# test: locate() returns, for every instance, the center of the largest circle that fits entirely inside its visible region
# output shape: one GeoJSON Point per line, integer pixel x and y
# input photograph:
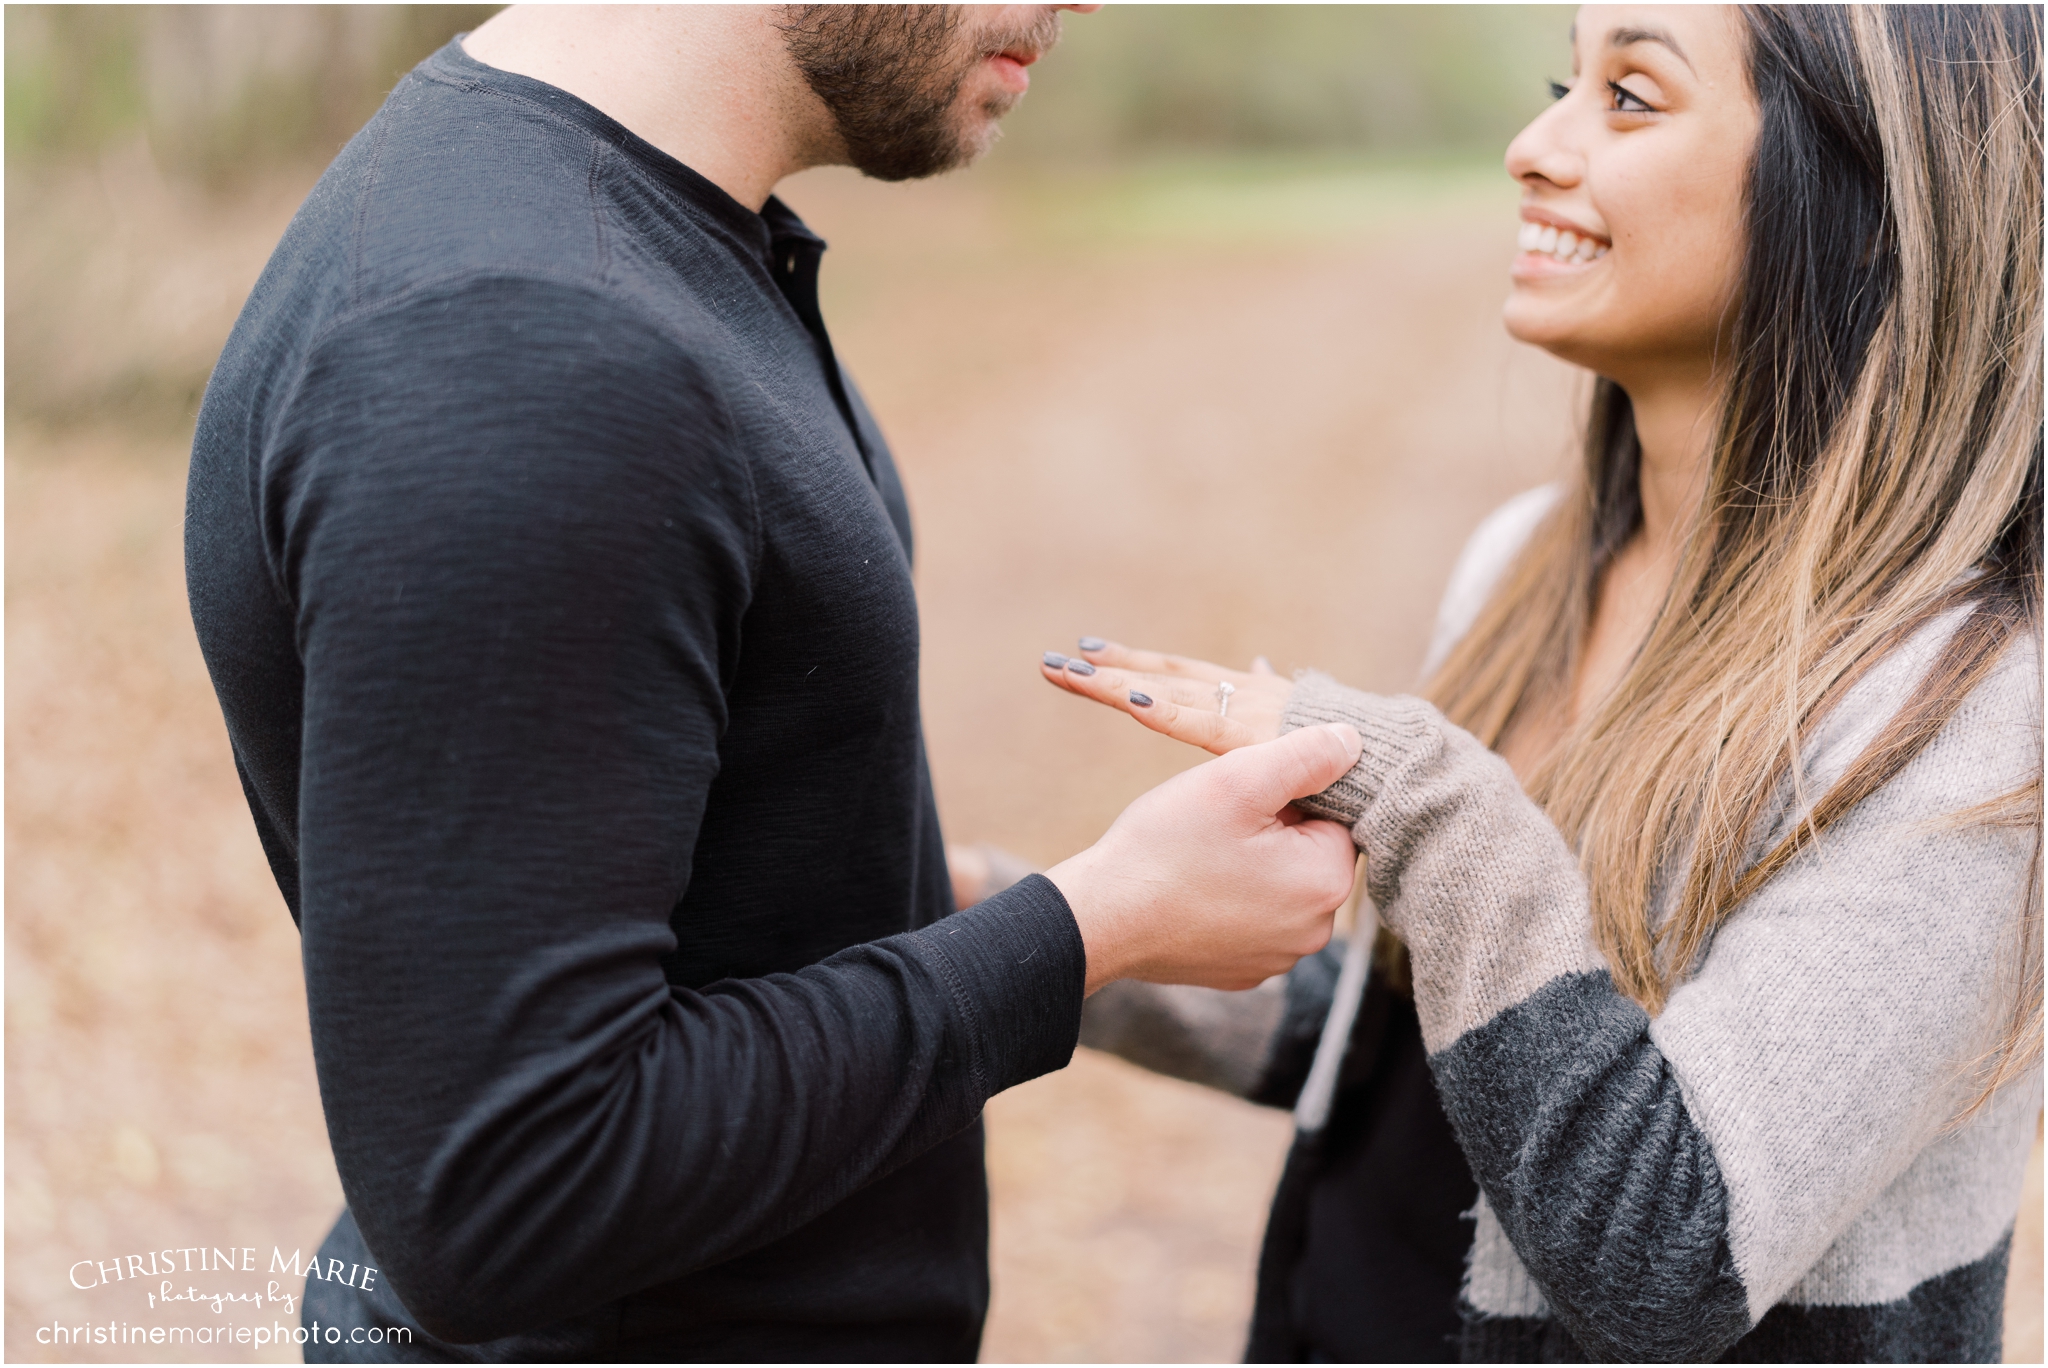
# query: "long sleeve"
{"type": "Point", "coordinates": [520, 543]}
{"type": "Point", "coordinates": [1257, 1044]}
{"type": "Point", "coordinates": [1658, 1186]}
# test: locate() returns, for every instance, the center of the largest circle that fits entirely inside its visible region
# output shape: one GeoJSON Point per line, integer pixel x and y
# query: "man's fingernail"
{"type": "Point", "coordinates": [1054, 660]}
{"type": "Point", "coordinates": [1091, 643]}
{"type": "Point", "coordinates": [1139, 700]}
{"type": "Point", "coordinates": [1080, 667]}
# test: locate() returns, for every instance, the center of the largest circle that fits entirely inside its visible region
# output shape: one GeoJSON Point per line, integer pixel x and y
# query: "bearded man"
{"type": "Point", "coordinates": [555, 581]}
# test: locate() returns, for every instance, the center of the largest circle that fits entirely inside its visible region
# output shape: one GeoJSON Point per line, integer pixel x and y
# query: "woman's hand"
{"type": "Point", "coordinates": [1174, 694]}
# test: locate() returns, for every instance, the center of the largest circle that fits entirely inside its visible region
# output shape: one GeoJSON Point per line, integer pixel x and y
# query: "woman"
{"type": "Point", "coordinates": [1713, 857]}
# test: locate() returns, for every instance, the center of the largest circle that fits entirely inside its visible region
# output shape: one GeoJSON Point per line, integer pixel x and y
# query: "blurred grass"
{"type": "Point", "coordinates": [1250, 199]}
{"type": "Point", "coordinates": [1404, 79]}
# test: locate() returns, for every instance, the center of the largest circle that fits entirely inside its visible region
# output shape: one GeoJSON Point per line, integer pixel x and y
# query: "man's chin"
{"type": "Point", "coordinates": [972, 124]}
{"type": "Point", "coordinates": [979, 127]}
{"type": "Point", "coordinates": [989, 95]}
{"type": "Point", "coordinates": [977, 141]}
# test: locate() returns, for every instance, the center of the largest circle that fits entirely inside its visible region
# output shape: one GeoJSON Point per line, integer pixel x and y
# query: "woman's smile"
{"type": "Point", "coordinates": [1553, 246]}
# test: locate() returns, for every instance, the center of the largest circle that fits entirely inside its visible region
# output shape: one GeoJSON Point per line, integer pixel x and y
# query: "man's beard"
{"type": "Point", "coordinates": [890, 74]}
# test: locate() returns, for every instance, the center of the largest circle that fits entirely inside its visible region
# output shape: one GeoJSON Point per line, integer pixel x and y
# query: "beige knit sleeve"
{"type": "Point", "coordinates": [1462, 865]}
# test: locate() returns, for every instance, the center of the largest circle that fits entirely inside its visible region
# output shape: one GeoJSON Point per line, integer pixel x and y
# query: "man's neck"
{"type": "Point", "coordinates": [711, 85]}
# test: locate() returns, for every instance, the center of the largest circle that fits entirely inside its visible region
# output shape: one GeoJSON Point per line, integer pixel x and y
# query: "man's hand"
{"type": "Point", "coordinates": [1211, 878]}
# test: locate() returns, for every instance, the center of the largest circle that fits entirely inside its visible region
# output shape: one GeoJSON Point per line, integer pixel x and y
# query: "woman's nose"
{"type": "Point", "coordinates": [1544, 150]}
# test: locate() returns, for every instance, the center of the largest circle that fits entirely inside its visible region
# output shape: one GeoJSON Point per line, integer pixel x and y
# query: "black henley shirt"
{"type": "Point", "coordinates": [556, 586]}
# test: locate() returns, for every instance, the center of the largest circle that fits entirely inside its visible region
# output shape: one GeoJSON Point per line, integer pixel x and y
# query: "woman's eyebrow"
{"type": "Point", "coordinates": [1627, 37]}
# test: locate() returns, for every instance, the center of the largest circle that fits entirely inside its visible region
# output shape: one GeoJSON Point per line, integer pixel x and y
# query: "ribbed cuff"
{"type": "Point", "coordinates": [1019, 973]}
{"type": "Point", "coordinates": [1394, 731]}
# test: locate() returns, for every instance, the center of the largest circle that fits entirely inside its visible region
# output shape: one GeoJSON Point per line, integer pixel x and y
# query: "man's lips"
{"type": "Point", "coordinates": [1009, 67]}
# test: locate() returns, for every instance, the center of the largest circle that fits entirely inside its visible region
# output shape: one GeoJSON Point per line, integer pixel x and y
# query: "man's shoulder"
{"type": "Point", "coordinates": [460, 177]}
{"type": "Point", "coordinates": [457, 194]}
{"type": "Point", "coordinates": [445, 182]}
{"type": "Point", "coordinates": [454, 177]}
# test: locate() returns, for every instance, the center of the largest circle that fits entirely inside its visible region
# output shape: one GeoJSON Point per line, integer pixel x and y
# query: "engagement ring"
{"type": "Point", "coordinates": [1223, 693]}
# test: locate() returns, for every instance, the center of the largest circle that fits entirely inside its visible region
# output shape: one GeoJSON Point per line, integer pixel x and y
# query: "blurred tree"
{"type": "Point", "coordinates": [216, 90]}
{"type": "Point", "coordinates": [125, 123]}
{"type": "Point", "coordinates": [1407, 79]}
{"type": "Point", "coordinates": [220, 89]}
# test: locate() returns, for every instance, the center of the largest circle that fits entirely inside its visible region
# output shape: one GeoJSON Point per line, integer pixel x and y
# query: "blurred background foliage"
{"type": "Point", "coordinates": [150, 147]}
{"type": "Point", "coordinates": [1406, 80]}
{"type": "Point", "coordinates": [223, 90]}
{"type": "Point", "coordinates": [215, 91]}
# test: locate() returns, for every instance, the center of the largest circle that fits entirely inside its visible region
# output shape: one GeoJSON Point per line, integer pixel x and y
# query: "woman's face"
{"type": "Point", "coordinates": [1632, 193]}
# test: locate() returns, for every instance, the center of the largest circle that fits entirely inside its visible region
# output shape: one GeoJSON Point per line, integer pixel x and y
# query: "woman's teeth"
{"type": "Point", "coordinates": [1563, 244]}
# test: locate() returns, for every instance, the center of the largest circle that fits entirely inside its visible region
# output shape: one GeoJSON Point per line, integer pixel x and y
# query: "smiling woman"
{"type": "Point", "coordinates": [1713, 859]}
{"type": "Point", "coordinates": [1647, 150]}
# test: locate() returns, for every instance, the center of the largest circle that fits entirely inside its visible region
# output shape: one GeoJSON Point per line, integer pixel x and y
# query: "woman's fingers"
{"type": "Point", "coordinates": [1183, 708]}
{"type": "Point", "coordinates": [1054, 667]}
{"type": "Point", "coordinates": [1193, 724]}
{"type": "Point", "coordinates": [1113, 685]}
{"type": "Point", "coordinates": [1097, 651]}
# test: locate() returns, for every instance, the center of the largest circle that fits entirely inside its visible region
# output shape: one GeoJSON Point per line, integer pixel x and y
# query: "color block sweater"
{"type": "Point", "coordinates": [1768, 1170]}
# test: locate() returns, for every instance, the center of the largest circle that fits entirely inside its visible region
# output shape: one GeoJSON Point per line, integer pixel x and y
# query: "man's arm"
{"type": "Point", "coordinates": [1257, 1043]}
{"type": "Point", "coordinates": [519, 545]}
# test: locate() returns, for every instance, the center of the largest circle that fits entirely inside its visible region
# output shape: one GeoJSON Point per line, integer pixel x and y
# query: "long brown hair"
{"type": "Point", "coordinates": [1877, 462]}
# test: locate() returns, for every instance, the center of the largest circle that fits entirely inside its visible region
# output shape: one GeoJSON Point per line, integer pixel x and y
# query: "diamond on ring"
{"type": "Point", "coordinates": [1223, 693]}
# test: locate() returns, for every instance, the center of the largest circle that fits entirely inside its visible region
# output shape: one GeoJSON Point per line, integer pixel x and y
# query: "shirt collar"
{"type": "Point", "coordinates": [774, 227]}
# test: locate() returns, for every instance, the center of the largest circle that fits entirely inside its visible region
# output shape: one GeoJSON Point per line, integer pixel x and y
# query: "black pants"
{"type": "Point", "coordinates": [1365, 1249]}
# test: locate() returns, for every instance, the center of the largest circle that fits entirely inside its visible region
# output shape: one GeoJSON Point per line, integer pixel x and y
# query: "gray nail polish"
{"type": "Point", "coordinates": [1080, 667]}
{"type": "Point", "coordinates": [1054, 660]}
{"type": "Point", "coordinates": [1139, 700]}
{"type": "Point", "coordinates": [1091, 643]}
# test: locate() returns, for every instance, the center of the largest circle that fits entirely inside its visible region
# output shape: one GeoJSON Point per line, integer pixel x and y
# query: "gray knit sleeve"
{"type": "Point", "coordinates": [1392, 732]}
{"type": "Point", "coordinates": [1255, 1044]}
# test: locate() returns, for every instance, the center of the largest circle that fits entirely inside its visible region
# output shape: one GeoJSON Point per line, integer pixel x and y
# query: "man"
{"type": "Point", "coordinates": [555, 582]}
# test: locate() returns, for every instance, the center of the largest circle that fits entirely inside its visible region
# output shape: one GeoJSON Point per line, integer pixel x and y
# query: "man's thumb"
{"type": "Point", "coordinates": [1305, 761]}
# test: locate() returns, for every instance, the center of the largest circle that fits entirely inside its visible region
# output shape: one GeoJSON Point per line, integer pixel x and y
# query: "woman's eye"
{"type": "Point", "coordinates": [1558, 89]}
{"type": "Point", "coordinates": [1626, 101]}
